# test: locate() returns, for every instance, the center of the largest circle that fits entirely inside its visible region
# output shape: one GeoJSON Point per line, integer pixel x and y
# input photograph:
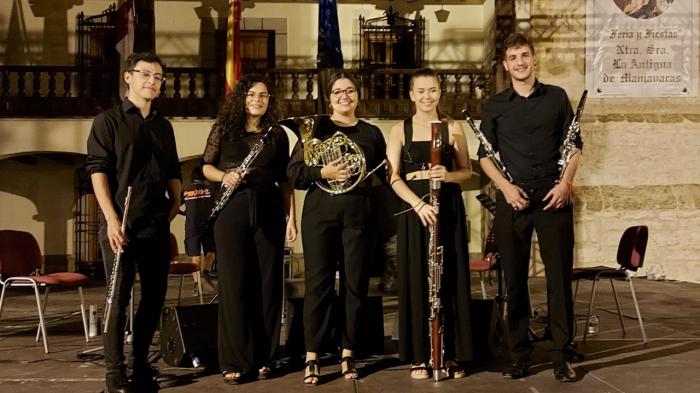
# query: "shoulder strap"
{"type": "Point", "coordinates": [407, 135]}
{"type": "Point", "coordinates": [444, 133]}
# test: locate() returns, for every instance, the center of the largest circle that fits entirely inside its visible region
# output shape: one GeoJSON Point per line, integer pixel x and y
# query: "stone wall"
{"type": "Point", "coordinates": [640, 162]}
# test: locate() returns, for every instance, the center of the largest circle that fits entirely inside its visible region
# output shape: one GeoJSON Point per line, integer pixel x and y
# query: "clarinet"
{"type": "Point", "coordinates": [568, 146]}
{"type": "Point", "coordinates": [435, 262]}
{"type": "Point", "coordinates": [113, 278]}
{"type": "Point", "coordinates": [490, 153]}
{"type": "Point", "coordinates": [241, 169]}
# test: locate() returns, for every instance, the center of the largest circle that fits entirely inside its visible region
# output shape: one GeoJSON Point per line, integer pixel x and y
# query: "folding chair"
{"type": "Point", "coordinates": [20, 264]}
{"type": "Point", "coordinates": [630, 256]}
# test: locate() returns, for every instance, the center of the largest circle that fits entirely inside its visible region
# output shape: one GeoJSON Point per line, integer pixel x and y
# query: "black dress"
{"type": "Point", "coordinates": [249, 236]}
{"type": "Point", "coordinates": [336, 237]}
{"type": "Point", "coordinates": [412, 256]}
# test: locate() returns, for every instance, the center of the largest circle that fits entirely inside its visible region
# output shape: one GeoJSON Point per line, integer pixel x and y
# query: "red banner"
{"type": "Point", "coordinates": [234, 69]}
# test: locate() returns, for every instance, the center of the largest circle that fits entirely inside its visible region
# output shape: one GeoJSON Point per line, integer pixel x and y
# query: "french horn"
{"type": "Point", "coordinates": [319, 153]}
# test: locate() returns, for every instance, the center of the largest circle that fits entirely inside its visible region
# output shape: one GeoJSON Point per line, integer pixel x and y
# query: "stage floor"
{"type": "Point", "coordinates": [614, 363]}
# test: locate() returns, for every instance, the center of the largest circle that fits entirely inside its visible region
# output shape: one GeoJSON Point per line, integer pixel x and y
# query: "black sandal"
{"type": "Point", "coordinates": [314, 371]}
{"type": "Point", "coordinates": [232, 380]}
{"type": "Point", "coordinates": [350, 373]}
{"type": "Point", "coordinates": [264, 372]}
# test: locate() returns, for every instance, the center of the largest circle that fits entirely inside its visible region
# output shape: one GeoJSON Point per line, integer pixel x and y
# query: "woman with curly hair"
{"type": "Point", "coordinates": [250, 231]}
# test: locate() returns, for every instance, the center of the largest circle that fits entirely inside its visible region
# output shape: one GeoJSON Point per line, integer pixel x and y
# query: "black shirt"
{"type": "Point", "coordinates": [269, 166]}
{"type": "Point", "coordinates": [137, 152]}
{"type": "Point", "coordinates": [528, 131]}
{"type": "Point", "coordinates": [367, 136]}
{"type": "Point", "coordinates": [199, 200]}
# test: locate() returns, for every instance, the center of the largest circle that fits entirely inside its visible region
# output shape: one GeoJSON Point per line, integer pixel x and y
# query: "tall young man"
{"type": "Point", "coordinates": [132, 145]}
{"type": "Point", "coordinates": [527, 124]}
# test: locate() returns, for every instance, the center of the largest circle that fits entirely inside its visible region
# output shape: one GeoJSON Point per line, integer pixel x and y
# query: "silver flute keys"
{"type": "Point", "coordinates": [113, 278]}
{"type": "Point", "coordinates": [569, 147]}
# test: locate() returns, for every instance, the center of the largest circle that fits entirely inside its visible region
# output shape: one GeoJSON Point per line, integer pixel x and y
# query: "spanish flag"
{"type": "Point", "coordinates": [234, 69]}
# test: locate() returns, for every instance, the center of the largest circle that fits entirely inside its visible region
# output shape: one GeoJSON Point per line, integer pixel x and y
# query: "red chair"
{"type": "Point", "coordinates": [630, 257]}
{"type": "Point", "coordinates": [183, 269]}
{"type": "Point", "coordinates": [489, 263]}
{"type": "Point", "coordinates": [20, 261]}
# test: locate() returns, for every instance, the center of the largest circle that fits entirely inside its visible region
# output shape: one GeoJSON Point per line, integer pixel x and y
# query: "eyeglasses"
{"type": "Point", "coordinates": [339, 93]}
{"type": "Point", "coordinates": [148, 74]}
{"type": "Point", "coordinates": [252, 95]}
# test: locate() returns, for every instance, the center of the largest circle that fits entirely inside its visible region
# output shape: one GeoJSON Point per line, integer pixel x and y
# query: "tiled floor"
{"type": "Point", "coordinates": [669, 362]}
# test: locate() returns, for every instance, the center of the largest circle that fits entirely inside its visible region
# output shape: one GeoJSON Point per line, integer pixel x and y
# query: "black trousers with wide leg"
{"type": "Point", "coordinates": [336, 238]}
{"type": "Point", "coordinates": [555, 234]}
{"type": "Point", "coordinates": [249, 236]}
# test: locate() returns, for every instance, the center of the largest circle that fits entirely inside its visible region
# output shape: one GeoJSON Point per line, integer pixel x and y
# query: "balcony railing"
{"type": "Point", "coordinates": [75, 91]}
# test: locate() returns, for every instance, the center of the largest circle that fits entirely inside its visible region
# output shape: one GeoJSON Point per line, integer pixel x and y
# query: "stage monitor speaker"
{"type": "Point", "coordinates": [188, 335]}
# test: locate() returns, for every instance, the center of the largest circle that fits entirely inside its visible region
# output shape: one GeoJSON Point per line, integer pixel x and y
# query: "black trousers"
{"type": "Point", "coordinates": [335, 238]}
{"type": "Point", "coordinates": [150, 257]}
{"type": "Point", "coordinates": [555, 235]}
{"type": "Point", "coordinates": [249, 236]}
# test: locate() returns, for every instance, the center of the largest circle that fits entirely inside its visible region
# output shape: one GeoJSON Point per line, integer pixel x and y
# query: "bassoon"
{"type": "Point", "coordinates": [435, 261]}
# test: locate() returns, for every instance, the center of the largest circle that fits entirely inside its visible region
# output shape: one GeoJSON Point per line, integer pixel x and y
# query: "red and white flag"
{"type": "Point", "coordinates": [126, 14]}
{"type": "Point", "coordinates": [234, 69]}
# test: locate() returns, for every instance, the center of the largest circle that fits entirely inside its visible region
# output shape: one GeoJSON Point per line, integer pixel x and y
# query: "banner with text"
{"type": "Point", "coordinates": [642, 48]}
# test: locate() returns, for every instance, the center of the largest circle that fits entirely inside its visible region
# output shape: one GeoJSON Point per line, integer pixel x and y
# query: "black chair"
{"type": "Point", "coordinates": [630, 257]}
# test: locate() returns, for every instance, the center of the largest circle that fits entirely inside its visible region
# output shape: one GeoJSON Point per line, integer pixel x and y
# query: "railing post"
{"type": "Point", "coordinates": [5, 83]}
{"type": "Point", "coordinates": [176, 84]}
{"type": "Point", "coordinates": [192, 84]}
{"type": "Point", "coordinates": [443, 84]}
{"type": "Point", "coordinates": [20, 83]}
{"type": "Point", "coordinates": [66, 84]}
{"type": "Point", "coordinates": [295, 86]}
{"type": "Point", "coordinates": [52, 84]}
{"type": "Point", "coordinates": [310, 86]}
{"type": "Point", "coordinates": [458, 83]}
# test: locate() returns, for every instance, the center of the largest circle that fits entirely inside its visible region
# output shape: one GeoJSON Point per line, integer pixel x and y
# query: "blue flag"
{"type": "Point", "coordinates": [329, 53]}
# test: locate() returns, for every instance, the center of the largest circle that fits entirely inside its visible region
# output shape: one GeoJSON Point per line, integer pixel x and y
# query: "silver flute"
{"type": "Point", "coordinates": [490, 153]}
{"type": "Point", "coordinates": [241, 169]}
{"type": "Point", "coordinates": [115, 266]}
{"type": "Point", "coordinates": [569, 147]}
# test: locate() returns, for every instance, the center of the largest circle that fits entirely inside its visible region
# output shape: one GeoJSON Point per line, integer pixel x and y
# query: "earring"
{"type": "Point", "coordinates": [330, 106]}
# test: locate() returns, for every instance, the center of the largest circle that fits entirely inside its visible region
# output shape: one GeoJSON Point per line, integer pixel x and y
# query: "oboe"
{"type": "Point", "coordinates": [113, 278]}
{"type": "Point", "coordinates": [435, 261]}
{"type": "Point", "coordinates": [490, 153]}
{"type": "Point", "coordinates": [569, 145]}
{"type": "Point", "coordinates": [241, 169]}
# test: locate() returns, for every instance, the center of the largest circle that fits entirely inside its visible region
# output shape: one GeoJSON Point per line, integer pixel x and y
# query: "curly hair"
{"type": "Point", "coordinates": [232, 114]}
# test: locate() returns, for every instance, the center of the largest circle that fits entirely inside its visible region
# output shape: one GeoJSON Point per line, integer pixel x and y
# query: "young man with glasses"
{"type": "Point", "coordinates": [131, 145]}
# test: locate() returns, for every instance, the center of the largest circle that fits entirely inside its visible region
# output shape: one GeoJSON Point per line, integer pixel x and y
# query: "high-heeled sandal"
{"type": "Point", "coordinates": [312, 373]}
{"type": "Point", "coordinates": [350, 373]}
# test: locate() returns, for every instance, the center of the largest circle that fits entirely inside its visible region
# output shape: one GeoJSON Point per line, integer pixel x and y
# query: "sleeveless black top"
{"type": "Point", "coordinates": [416, 154]}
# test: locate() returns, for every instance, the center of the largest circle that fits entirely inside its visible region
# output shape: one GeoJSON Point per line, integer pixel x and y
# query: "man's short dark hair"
{"type": "Point", "coordinates": [134, 58]}
{"type": "Point", "coordinates": [515, 40]}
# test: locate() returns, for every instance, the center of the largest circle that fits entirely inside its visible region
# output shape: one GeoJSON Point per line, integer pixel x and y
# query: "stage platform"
{"type": "Point", "coordinates": [614, 363]}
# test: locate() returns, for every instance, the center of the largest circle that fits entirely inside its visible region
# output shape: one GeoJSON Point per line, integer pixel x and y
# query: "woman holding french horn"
{"type": "Point", "coordinates": [335, 218]}
{"type": "Point", "coordinates": [409, 157]}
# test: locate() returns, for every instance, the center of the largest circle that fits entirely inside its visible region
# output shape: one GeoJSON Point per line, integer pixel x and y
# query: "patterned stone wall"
{"type": "Point", "coordinates": [641, 157]}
